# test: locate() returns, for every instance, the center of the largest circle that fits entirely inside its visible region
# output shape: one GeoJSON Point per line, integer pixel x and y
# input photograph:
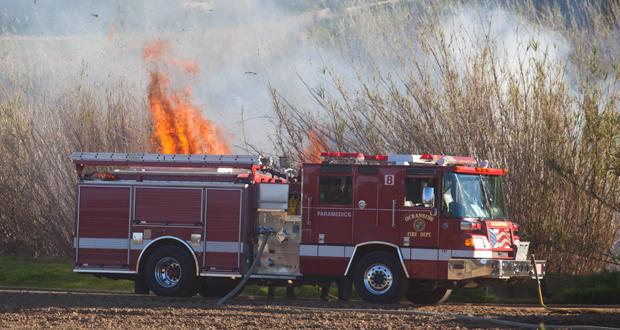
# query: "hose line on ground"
{"type": "Point", "coordinates": [264, 233]}
{"type": "Point", "coordinates": [559, 310]}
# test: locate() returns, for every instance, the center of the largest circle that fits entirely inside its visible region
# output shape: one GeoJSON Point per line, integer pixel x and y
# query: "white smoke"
{"type": "Point", "coordinates": [516, 39]}
{"type": "Point", "coordinates": [241, 48]}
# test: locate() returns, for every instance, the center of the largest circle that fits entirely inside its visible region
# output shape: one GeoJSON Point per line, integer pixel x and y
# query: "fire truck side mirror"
{"type": "Point", "coordinates": [428, 196]}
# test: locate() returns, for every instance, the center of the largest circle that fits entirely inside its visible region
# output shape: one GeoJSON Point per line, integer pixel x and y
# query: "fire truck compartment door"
{"type": "Point", "coordinates": [389, 190]}
{"type": "Point", "coordinates": [419, 231]}
{"type": "Point", "coordinates": [419, 221]}
{"type": "Point", "coordinates": [103, 226]}
{"type": "Point", "coordinates": [168, 206]}
{"type": "Point", "coordinates": [223, 246]}
{"type": "Point", "coordinates": [272, 196]}
{"type": "Point", "coordinates": [366, 214]}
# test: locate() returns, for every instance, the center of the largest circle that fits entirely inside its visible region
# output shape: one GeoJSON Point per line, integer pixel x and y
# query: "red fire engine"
{"type": "Point", "coordinates": [413, 225]}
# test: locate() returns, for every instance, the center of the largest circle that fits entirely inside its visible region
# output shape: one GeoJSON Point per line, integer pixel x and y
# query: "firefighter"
{"type": "Point", "coordinates": [271, 292]}
{"type": "Point", "coordinates": [290, 292]}
{"type": "Point", "coordinates": [293, 204]}
{"type": "Point", "coordinates": [343, 284]}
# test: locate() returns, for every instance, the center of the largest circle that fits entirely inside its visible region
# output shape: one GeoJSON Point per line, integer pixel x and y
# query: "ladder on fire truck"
{"type": "Point", "coordinates": [81, 159]}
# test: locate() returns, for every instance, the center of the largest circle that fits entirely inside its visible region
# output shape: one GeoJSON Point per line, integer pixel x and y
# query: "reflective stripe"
{"type": "Point", "coordinates": [225, 247]}
{"type": "Point", "coordinates": [348, 251]}
{"type": "Point", "coordinates": [140, 246]}
{"type": "Point", "coordinates": [305, 250]}
{"type": "Point", "coordinates": [406, 253]}
{"type": "Point", "coordinates": [308, 250]}
{"type": "Point", "coordinates": [124, 244]}
{"type": "Point", "coordinates": [331, 251]}
{"type": "Point", "coordinates": [424, 254]}
{"type": "Point", "coordinates": [104, 243]}
{"type": "Point", "coordinates": [444, 255]}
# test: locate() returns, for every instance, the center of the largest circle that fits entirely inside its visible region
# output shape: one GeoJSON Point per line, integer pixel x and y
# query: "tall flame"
{"type": "Point", "coordinates": [316, 145]}
{"type": "Point", "coordinates": [179, 127]}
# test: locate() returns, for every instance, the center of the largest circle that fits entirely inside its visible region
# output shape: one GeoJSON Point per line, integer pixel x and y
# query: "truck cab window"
{"type": "Point", "coordinates": [413, 191]}
{"type": "Point", "coordinates": [335, 190]}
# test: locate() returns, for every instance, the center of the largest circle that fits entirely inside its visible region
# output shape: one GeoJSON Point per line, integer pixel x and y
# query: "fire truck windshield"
{"type": "Point", "coordinates": [472, 196]}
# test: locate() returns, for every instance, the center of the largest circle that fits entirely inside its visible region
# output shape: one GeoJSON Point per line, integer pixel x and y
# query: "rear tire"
{"type": "Point", "coordinates": [379, 278]}
{"type": "Point", "coordinates": [428, 296]}
{"type": "Point", "coordinates": [170, 272]}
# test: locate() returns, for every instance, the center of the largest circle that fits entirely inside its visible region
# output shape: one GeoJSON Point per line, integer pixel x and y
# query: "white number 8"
{"type": "Point", "coordinates": [389, 180]}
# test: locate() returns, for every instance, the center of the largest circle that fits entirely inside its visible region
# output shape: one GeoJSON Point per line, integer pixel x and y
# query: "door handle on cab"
{"type": "Point", "coordinates": [393, 213]}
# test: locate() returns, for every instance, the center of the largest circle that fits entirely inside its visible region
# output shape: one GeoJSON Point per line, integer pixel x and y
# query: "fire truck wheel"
{"type": "Point", "coordinates": [428, 297]}
{"type": "Point", "coordinates": [169, 272]}
{"type": "Point", "coordinates": [379, 278]}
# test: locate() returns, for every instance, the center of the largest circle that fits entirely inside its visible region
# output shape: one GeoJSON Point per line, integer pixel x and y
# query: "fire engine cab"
{"type": "Point", "coordinates": [390, 225]}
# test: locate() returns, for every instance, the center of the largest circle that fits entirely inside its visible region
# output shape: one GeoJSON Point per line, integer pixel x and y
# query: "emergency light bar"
{"type": "Point", "coordinates": [442, 160]}
{"type": "Point", "coordinates": [354, 155]}
{"type": "Point", "coordinates": [408, 159]}
{"type": "Point", "coordinates": [351, 157]}
{"type": "Point", "coordinates": [481, 170]}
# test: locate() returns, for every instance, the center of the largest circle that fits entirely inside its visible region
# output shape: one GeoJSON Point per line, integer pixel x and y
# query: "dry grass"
{"type": "Point", "coordinates": [37, 181]}
{"type": "Point", "coordinates": [552, 120]}
{"type": "Point", "coordinates": [399, 77]}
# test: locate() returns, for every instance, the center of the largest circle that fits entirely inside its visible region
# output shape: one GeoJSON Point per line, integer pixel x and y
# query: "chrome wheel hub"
{"type": "Point", "coordinates": [378, 279]}
{"type": "Point", "coordinates": [168, 272]}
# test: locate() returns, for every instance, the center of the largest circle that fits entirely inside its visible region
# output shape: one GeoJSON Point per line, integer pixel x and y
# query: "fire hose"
{"type": "Point", "coordinates": [264, 233]}
{"type": "Point", "coordinates": [559, 310]}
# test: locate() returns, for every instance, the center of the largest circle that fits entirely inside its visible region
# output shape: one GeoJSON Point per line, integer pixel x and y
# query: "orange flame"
{"type": "Point", "coordinates": [316, 145]}
{"type": "Point", "coordinates": [178, 126]}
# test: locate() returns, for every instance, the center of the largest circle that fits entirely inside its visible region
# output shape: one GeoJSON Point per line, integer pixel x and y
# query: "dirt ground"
{"type": "Point", "coordinates": [44, 309]}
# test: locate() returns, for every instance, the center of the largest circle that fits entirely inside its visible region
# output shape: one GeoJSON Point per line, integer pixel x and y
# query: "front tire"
{"type": "Point", "coordinates": [379, 278]}
{"type": "Point", "coordinates": [170, 272]}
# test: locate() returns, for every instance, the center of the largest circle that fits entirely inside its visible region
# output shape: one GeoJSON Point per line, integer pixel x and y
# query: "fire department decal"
{"type": "Point", "coordinates": [389, 180]}
{"type": "Point", "coordinates": [337, 214]}
{"type": "Point", "coordinates": [419, 224]}
{"type": "Point", "coordinates": [423, 216]}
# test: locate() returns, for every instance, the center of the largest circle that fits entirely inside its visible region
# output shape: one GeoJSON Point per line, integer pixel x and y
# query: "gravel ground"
{"type": "Point", "coordinates": [41, 309]}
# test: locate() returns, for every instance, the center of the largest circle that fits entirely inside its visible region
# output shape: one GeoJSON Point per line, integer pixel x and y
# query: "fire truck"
{"type": "Point", "coordinates": [398, 225]}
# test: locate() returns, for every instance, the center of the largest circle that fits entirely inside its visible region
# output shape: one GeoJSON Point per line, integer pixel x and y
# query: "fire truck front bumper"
{"type": "Point", "coordinates": [463, 269]}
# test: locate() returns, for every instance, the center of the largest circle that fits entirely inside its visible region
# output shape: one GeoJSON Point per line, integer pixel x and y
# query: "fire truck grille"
{"type": "Point", "coordinates": [500, 238]}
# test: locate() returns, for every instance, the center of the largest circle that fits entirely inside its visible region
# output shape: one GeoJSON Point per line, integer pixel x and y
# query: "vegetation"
{"type": "Point", "coordinates": [597, 288]}
{"type": "Point", "coordinates": [52, 274]}
{"type": "Point", "coordinates": [533, 88]}
{"type": "Point", "coordinates": [600, 288]}
{"type": "Point", "coordinates": [529, 85]}
{"type": "Point", "coordinates": [37, 179]}
{"type": "Point", "coordinates": [24, 272]}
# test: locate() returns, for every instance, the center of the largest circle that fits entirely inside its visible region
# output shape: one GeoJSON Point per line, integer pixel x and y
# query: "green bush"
{"type": "Point", "coordinates": [601, 288]}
